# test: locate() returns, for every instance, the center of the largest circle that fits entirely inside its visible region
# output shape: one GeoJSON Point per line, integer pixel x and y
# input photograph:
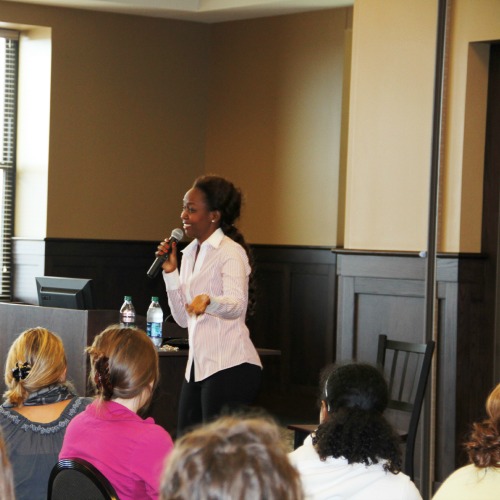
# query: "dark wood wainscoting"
{"type": "Point", "coordinates": [295, 309]}
{"type": "Point", "coordinates": [384, 293]}
{"type": "Point", "coordinates": [117, 268]}
{"type": "Point", "coordinates": [317, 306]}
{"type": "Point", "coordinates": [295, 313]}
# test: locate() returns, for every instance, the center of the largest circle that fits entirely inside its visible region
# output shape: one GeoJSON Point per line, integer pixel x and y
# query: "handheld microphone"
{"type": "Point", "coordinates": [176, 236]}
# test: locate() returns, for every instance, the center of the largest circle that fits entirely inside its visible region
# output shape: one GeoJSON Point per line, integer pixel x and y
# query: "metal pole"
{"type": "Point", "coordinates": [430, 277]}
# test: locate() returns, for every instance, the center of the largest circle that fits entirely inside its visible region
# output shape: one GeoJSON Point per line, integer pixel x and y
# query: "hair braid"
{"type": "Point", "coordinates": [223, 196]}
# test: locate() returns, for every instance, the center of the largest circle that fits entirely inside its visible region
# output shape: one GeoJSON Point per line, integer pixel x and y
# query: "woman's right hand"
{"type": "Point", "coordinates": [164, 247]}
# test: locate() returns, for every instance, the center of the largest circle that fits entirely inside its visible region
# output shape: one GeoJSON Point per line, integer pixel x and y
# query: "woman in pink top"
{"type": "Point", "coordinates": [210, 296]}
{"type": "Point", "coordinates": [110, 434]}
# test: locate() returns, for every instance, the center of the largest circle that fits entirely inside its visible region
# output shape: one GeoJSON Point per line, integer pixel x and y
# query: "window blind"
{"type": "Point", "coordinates": [9, 48]}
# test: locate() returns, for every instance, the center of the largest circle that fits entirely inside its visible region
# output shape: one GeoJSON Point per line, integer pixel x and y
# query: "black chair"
{"type": "Point", "coordinates": [407, 366]}
{"type": "Point", "coordinates": [77, 479]}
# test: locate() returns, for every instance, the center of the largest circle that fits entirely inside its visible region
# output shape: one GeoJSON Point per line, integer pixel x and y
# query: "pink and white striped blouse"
{"type": "Point", "coordinates": [219, 338]}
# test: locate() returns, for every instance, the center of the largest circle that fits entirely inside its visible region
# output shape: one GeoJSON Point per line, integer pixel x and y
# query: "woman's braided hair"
{"type": "Point", "coordinates": [223, 196]}
{"type": "Point", "coordinates": [123, 362]}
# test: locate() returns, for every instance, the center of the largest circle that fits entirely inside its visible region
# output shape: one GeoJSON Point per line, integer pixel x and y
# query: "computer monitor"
{"type": "Point", "coordinates": [67, 293]}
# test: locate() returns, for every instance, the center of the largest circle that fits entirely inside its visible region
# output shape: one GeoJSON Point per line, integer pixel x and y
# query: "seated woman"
{"type": "Point", "coordinates": [38, 407]}
{"type": "Point", "coordinates": [354, 453]}
{"type": "Point", "coordinates": [231, 458]}
{"type": "Point", "coordinates": [109, 434]}
{"type": "Point", "coordinates": [481, 478]}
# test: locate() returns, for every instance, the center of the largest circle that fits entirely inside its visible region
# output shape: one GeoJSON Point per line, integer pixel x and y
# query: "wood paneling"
{"type": "Point", "coordinates": [317, 306]}
{"type": "Point", "coordinates": [385, 294]}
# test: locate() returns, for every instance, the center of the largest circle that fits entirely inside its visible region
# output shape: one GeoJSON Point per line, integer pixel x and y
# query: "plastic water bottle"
{"type": "Point", "coordinates": [154, 318]}
{"type": "Point", "coordinates": [127, 313]}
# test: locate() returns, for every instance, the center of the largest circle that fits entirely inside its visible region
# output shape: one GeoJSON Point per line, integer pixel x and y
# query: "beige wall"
{"type": "Point", "coordinates": [128, 121]}
{"type": "Point", "coordinates": [141, 106]}
{"type": "Point", "coordinates": [473, 22]}
{"type": "Point", "coordinates": [274, 119]}
{"type": "Point", "coordinates": [390, 124]}
{"type": "Point", "coordinates": [127, 118]}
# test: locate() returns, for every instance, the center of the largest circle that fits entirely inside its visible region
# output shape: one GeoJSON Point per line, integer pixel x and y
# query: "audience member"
{"type": "Point", "coordinates": [231, 459]}
{"type": "Point", "coordinates": [39, 404]}
{"type": "Point", "coordinates": [110, 434]}
{"type": "Point", "coordinates": [354, 454]}
{"type": "Point", "coordinates": [6, 477]}
{"type": "Point", "coordinates": [481, 478]}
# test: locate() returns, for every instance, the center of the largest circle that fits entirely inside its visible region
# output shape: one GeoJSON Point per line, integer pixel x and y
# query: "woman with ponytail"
{"type": "Point", "coordinates": [211, 295]}
{"type": "Point", "coordinates": [39, 404]}
{"type": "Point", "coordinates": [126, 449]}
{"type": "Point", "coordinates": [354, 453]}
{"type": "Point", "coordinates": [481, 478]}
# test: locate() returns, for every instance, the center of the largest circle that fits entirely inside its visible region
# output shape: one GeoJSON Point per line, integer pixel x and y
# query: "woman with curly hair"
{"type": "Point", "coordinates": [210, 295]}
{"type": "Point", "coordinates": [481, 478]}
{"type": "Point", "coordinates": [126, 449]}
{"type": "Point", "coordinates": [39, 404]}
{"type": "Point", "coordinates": [354, 454]}
{"type": "Point", "coordinates": [231, 458]}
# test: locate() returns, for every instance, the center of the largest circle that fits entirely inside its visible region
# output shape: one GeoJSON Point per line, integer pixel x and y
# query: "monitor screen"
{"type": "Point", "coordinates": [67, 293]}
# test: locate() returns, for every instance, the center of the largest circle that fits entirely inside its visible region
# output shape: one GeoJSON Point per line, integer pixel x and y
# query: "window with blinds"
{"type": "Point", "coordinates": [9, 46]}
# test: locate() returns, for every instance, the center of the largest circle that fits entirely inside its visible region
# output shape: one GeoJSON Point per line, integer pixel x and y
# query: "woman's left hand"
{"type": "Point", "coordinates": [198, 305]}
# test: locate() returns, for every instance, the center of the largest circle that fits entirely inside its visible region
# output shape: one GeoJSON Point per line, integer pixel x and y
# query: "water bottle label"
{"type": "Point", "coordinates": [127, 320]}
{"type": "Point", "coordinates": [154, 329]}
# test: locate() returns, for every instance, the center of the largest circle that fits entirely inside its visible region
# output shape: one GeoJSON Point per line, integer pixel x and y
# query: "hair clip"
{"type": "Point", "coordinates": [21, 372]}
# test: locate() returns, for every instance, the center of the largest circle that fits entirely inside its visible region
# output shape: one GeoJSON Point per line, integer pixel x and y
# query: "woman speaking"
{"type": "Point", "coordinates": [210, 296]}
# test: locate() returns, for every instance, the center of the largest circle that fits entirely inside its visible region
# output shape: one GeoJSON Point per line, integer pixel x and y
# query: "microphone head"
{"type": "Point", "coordinates": [177, 235]}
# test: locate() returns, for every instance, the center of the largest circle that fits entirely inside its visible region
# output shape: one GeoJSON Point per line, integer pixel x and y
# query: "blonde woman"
{"type": "Point", "coordinates": [110, 434]}
{"type": "Point", "coordinates": [38, 406]}
{"type": "Point", "coordinates": [481, 478]}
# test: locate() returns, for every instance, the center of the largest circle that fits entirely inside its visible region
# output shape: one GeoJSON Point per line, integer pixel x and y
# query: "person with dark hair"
{"type": "Point", "coordinates": [231, 458]}
{"type": "Point", "coordinates": [39, 404]}
{"type": "Point", "coordinates": [481, 478]}
{"type": "Point", "coordinates": [126, 449]}
{"type": "Point", "coordinates": [210, 295]}
{"type": "Point", "coordinates": [354, 453]}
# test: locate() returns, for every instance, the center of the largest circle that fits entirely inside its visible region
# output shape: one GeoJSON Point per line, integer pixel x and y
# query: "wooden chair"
{"type": "Point", "coordinates": [407, 366]}
{"type": "Point", "coordinates": [77, 479]}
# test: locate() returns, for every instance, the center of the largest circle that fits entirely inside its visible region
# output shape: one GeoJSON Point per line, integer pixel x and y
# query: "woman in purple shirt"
{"type": "Point", "coordinates": [128, 450]}
{"type": "Point", "coordinates": [210, 296]}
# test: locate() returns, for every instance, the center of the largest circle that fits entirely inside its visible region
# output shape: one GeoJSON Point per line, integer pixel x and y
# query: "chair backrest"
{"type": "Point", "coordinates": [77, 479]}
{"type": "Point", "coordinates": [407, 366]}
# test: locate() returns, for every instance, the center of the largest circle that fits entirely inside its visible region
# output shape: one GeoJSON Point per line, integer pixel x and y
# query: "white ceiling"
{"type": "Point", "coordinates": [207, 11]}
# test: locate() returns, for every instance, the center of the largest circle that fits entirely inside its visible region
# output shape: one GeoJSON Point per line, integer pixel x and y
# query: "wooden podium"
{"type": "Point", "coordinates": [77, 330]}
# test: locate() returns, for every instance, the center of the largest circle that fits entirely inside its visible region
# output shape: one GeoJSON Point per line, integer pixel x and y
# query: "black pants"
{"type": "Point", "coordinates": [224, 391]}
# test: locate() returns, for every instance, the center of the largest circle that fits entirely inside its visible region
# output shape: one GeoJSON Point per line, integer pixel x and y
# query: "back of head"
{"type": "Point", "coordinates": [355, 396]}
{"type": "Point", "coordinates": [231, 459]}
{"type": "Point", "coordinates": [36, 360]}
{"type": "Point", "coordinates": [124, 362]}
{"type": "Point", "coordinates": [354, 386]}
{"type": "Point", "coordinates": [483, 447]}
